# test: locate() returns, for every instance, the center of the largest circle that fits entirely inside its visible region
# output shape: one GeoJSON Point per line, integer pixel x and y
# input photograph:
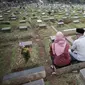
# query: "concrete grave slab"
{"type": "Point", "coordinates": [22, 21]}
{"type": "Point", "coordinates": [52, 19]}
{"type": "Point", "coordinates": [60, 24]}
{"type": "Point", "coordinates": [6, 29]}
{"type": "Point", "coordinates": [24, 76]}
{"type": "Point", "coordinates": [39, 21]}
{"type": "Point", "coordinates": [42, 26]}
{"type": "Point", "coordinates": [27, 43]}
{"type": "Point", "coordinates": [43, 13]}
{"type": "Point", "coordinates": [6, 13]}
{"type": "Point", "coordinates": [82, 74]}
{"type": "Point", "coordinates": [1, 16]}
{"type": "Point", "coordinates": [75, 17]}
{"type": "Point", "coordinates": [64, 17]}
{"type": "Point", "coordinates": [76, 21]}
{"type": "Point", "coordinates": [46, 19]}
{"type": "Point", "coordinates": [37, 82]}
{"type": "Point", "coordinates": [69, 31]}
{"type": "Point", "coordinates": [5, 22]}
{"type": "Point", "coordinates": [23, 27]}
{"type": "Point", "coordinates": [52, 38]}
{"type": "Point", "coordinates": [1, 19]}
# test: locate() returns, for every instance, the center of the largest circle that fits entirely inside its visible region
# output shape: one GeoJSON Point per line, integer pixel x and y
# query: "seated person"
{"type": "Point", "coordinates": [77, 50]}
{"type": "Point", "coordinates": [59, 51]}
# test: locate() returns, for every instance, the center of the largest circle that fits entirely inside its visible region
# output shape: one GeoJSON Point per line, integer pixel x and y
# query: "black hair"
{"type": "Point", "coordinates": [80, 30]}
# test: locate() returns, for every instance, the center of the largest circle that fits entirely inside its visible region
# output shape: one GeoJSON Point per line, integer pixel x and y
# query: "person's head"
{"type": "Point", "coordinates": [79, 32]}
{"type": "Point", "coordinates": [59, 36]}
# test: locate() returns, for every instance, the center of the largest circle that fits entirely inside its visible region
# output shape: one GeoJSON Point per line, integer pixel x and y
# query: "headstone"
{"type": "Point", "coordinates": [52, 19]}
{"type": "Point", "coordinates": [5, 22]}
{"type": "Point", "coordinates": [75, 17]}
{"type": "Point", "coordinates": [43, 13]}
{"type": "Point", "coordinates": [76, 21]}
{"type": "Point", "coordinates": [82, 74]}
{"type": "Point", "coordinates": [39, 21]}
{"type": "Point", "coordinates": [1, 16]}
{"type": "Point", "coordinates": [52, 38]}
{"type": "Point", "coordinates": [46, 19]}
{"type": "Point", "coordinates": [1, 19]}
{"type": "Point", "coordinates": [69, 31]}
{"type": "Point", "coordinates": [27, 43]}
{"type": "Point", "coordinates": [42, 25]}
{"type": "Point", "coordinates": [60, 23]}
{"type": "Point", "coordinates": [23, 27]}
{"type": "Point", "coordinates": [22, 21]}
{"type": "Point", "coordinates": [64, 17]}
{"type": "Point", "coordinates": [19, 78]}
{"type": "Point", "coordinates": [37, 82]}
{"type": "Point", "coordinates": [67, 14]}
{"type": "Point", "coordinates": [6, 29]}
{"type": "Point", "coordinates": [6, 13]}
{"type": "Point", "coordinates": [13, 17]}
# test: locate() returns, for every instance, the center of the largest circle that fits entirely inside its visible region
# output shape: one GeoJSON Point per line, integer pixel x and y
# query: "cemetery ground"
{"type": "Point", "coordinates": [11, 59]}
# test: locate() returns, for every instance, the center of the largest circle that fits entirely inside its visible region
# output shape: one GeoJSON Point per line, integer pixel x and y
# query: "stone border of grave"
{"type": "Point", "coordinates": [24, 76]}
{"type": "Point", "coordinates": [23, 27]}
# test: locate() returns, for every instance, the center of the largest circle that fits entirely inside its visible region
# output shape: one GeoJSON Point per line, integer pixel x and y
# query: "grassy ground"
{"type": "Point", "coordinates": [10, 54]}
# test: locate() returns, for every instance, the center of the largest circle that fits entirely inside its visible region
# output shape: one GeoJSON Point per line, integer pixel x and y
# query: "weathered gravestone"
{"type": "Point", "coordinates": [5, 22]}
{"type": "Point", "coordinates": [60, 23]}
{"type": "Point", "coordinates": [37, 82]}
{"type": "Point", "coordinates": [6, 29]}
{"type": "Point", "coordinates": [22, 21]}
{"type": "Point", "coordinates": [6, 13]}
{"type": "Point", "coordinates": [76, 21]}
{"type": "Point", "coordinates": [1, 19]}
{"type": "Point", "coordinates": [39, 21]}
{"type": "Point", "coordinates": [52, 38]}
{"type": "Point", "coordinates": [13, 17]}
{"type": "Point", "coordinates": [42, 26]}
{"type": "Point", "coordinates": [24, 76]}
{"type": "Point", "coordinates": [69, 31]}
{"type": "Point", "coordinates": [1, 16]}
{"type": "Point", "coordinates": [75, 17]}
{"type": "Point", "coordinates": [27, 43]}
{"type": "Point", "coordinates": [23, 27]}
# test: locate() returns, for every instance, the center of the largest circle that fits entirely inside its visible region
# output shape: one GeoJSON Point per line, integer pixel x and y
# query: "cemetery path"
{"type": "Point", "coordinates": [41, 48]}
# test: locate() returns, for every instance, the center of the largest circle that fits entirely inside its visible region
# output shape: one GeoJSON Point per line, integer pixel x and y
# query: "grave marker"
{"type": "Point", "coordinates": [76, 21]}
{"type": "Point", "coordinates": [69, 31]}
{"type": "Point", "coordinates": [23, 27]}
{"type": "Point", "coordinates": [22, 21]}
{"type": "Point", "coordinates": [27, 43]}
{"type": "Point", "coordinates": [6, 29]}
{"type": "Point", "coordinates": [42, 26]}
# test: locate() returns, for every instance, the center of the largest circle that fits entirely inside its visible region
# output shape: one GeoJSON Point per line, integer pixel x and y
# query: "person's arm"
{"type": "Point", "coordinates": [74, 46]}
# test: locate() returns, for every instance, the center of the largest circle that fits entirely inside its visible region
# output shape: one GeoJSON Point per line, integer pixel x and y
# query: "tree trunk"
{"type": "Point", "coordinates": [66, 69]}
